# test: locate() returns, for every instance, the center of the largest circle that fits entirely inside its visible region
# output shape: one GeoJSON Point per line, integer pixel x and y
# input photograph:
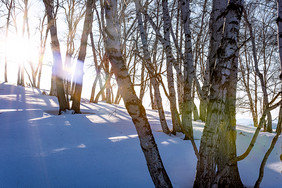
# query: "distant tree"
{"type": "Point", "coordinates": [279, 124]}
{"type": "Point", "coordinates": [25, 27]}
{"type": "Point", "coordinates": [78, 79]}
{"type": "Point", "coordinates": [74, 11]}
{"type": "Point", "coordinates": [9, 6]}
{"type": "Point", "coordinates": [55, 45]}
{"type": "Point", "coordinates": [42, 48]}
{"type": "Point", "coordinates": [258, 65]}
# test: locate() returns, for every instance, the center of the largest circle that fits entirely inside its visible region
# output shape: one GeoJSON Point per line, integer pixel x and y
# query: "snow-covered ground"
{"type": "Point", "coordinates": [100, 147]}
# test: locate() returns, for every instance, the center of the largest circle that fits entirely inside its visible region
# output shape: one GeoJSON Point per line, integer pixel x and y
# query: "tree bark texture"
{"type": "Point", "coordinates": [220, 128]}
{"type": "Point", "coordinates": [188, 105]}
{"type": "Point", "coordinates": [216, 32]}
{"type": "Point", "coordinates": [279, 24]}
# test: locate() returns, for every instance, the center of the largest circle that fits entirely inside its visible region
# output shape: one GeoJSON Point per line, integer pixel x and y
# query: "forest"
{"type": "Point", "coordinates": [212, 62]}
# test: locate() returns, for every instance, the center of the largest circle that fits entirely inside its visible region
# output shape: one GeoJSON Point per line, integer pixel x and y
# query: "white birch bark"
{"type": "Point", "coordinates": [131, 101]}
{"type": "Point", "coordinates": [220, 122]}
{"type": "Point", "coordinates": [151, 70]}
{"type": "Point", "coordinates": [169, 63]}
{"type": "Point", "coordinates": [187, 106]}
{"type": "Point", "coordinates": [279, 24]}
{"type": "Point", "coordinates": [216, 32]}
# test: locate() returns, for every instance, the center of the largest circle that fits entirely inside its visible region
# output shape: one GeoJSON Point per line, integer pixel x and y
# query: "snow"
{"type": "Point", "coordinates": [100, 147]}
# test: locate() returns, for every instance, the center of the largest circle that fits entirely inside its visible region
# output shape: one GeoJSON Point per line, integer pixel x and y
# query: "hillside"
{"type": "Point", "coordinates": [100, 147]}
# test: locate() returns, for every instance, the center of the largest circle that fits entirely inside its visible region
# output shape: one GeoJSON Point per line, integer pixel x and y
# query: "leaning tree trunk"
{"type": "Point", "coordinates": [221, 122]}
{"type": "Point", "coordinates": [81, 56]}
{"type": "Point", "coordinates": [151, 70]}
{"type": "Point", "coordinates": [131, 101]}
{"type": "Point", "coordinates": [56, 55]}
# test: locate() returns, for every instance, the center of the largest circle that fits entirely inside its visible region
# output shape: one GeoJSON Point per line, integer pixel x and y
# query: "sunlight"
{"type": "Point", "coordinates": [120, 138]}
{"type": "Point", "coordinates": [21, 50]}
{"type": "Point", "coordinates": [59, 150]}
{"type": "Point", "coordinates": [81, 146]}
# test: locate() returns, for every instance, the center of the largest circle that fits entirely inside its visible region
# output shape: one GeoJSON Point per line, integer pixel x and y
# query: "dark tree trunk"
{"type": "Point", "coordinates": [56, 55]}
{"type": "Point", "coordinates": [81, 56]}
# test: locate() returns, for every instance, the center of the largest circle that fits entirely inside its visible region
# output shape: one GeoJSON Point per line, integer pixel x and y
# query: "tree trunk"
{"type": "Point", "coordinates": [131, 101]}
{"type": "Point", "coordinates": [103, 88]}
{"type": "Point", "coordinates": [152, 97]}
{"type": "Point", "coordinates": [279, 24]}
{"type": "Point", "coordinates": [143, 82]}
{"type": "Point", "coordinates": [220, 122]}
{"type": "Point", "coordinates": [81, 56]}
{"type": "Point", "coordinates": [195, 112]}
{"type": "Point", "coordinates": [216, 26]}
{"type": "Point", "coordinates": [97, 67]}
{"type": "Point", "coordinates": [93, 89]}
{"type": "Point", "coordinates": [188, 104]}
{"type": "Point", "coordinates": [53, 90]}
{"type": "Point", "coordinates": [151, 70]}
{"type": "Point", "coordinates": [169, 63]}
{"type": "Point", "coordinates": [108, 80]}
{"type": "Point", "coordinates": [56, 56]}
{"type": "Point", "coordinates": [6, 38]}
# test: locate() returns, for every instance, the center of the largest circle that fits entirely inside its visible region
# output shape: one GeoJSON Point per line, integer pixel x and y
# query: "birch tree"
{"type": "Point", "coordinates": [216, 26]}
{"type": "Point", "coordinates": [169, 68]}
{"type": "Point", "coordinates": [221, 122]}
{"type": "Point", "coordinates": [131, 101]}
{"type": "Point", "coordinates": [151, 69]}
{"type": "Point", "coordinates": [188, 103]}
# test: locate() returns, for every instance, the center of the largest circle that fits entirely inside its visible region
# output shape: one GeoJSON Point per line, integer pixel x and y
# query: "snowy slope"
{"type": "Point", "coordinates": [100, 148]}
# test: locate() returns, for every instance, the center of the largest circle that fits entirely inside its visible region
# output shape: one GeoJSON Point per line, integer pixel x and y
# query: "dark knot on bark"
{"type": "Point", "coordinates": [279, 19]}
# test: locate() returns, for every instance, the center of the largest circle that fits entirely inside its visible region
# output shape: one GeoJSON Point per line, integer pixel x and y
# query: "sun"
{"type": "Point", "coordinates": [20, 50]}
